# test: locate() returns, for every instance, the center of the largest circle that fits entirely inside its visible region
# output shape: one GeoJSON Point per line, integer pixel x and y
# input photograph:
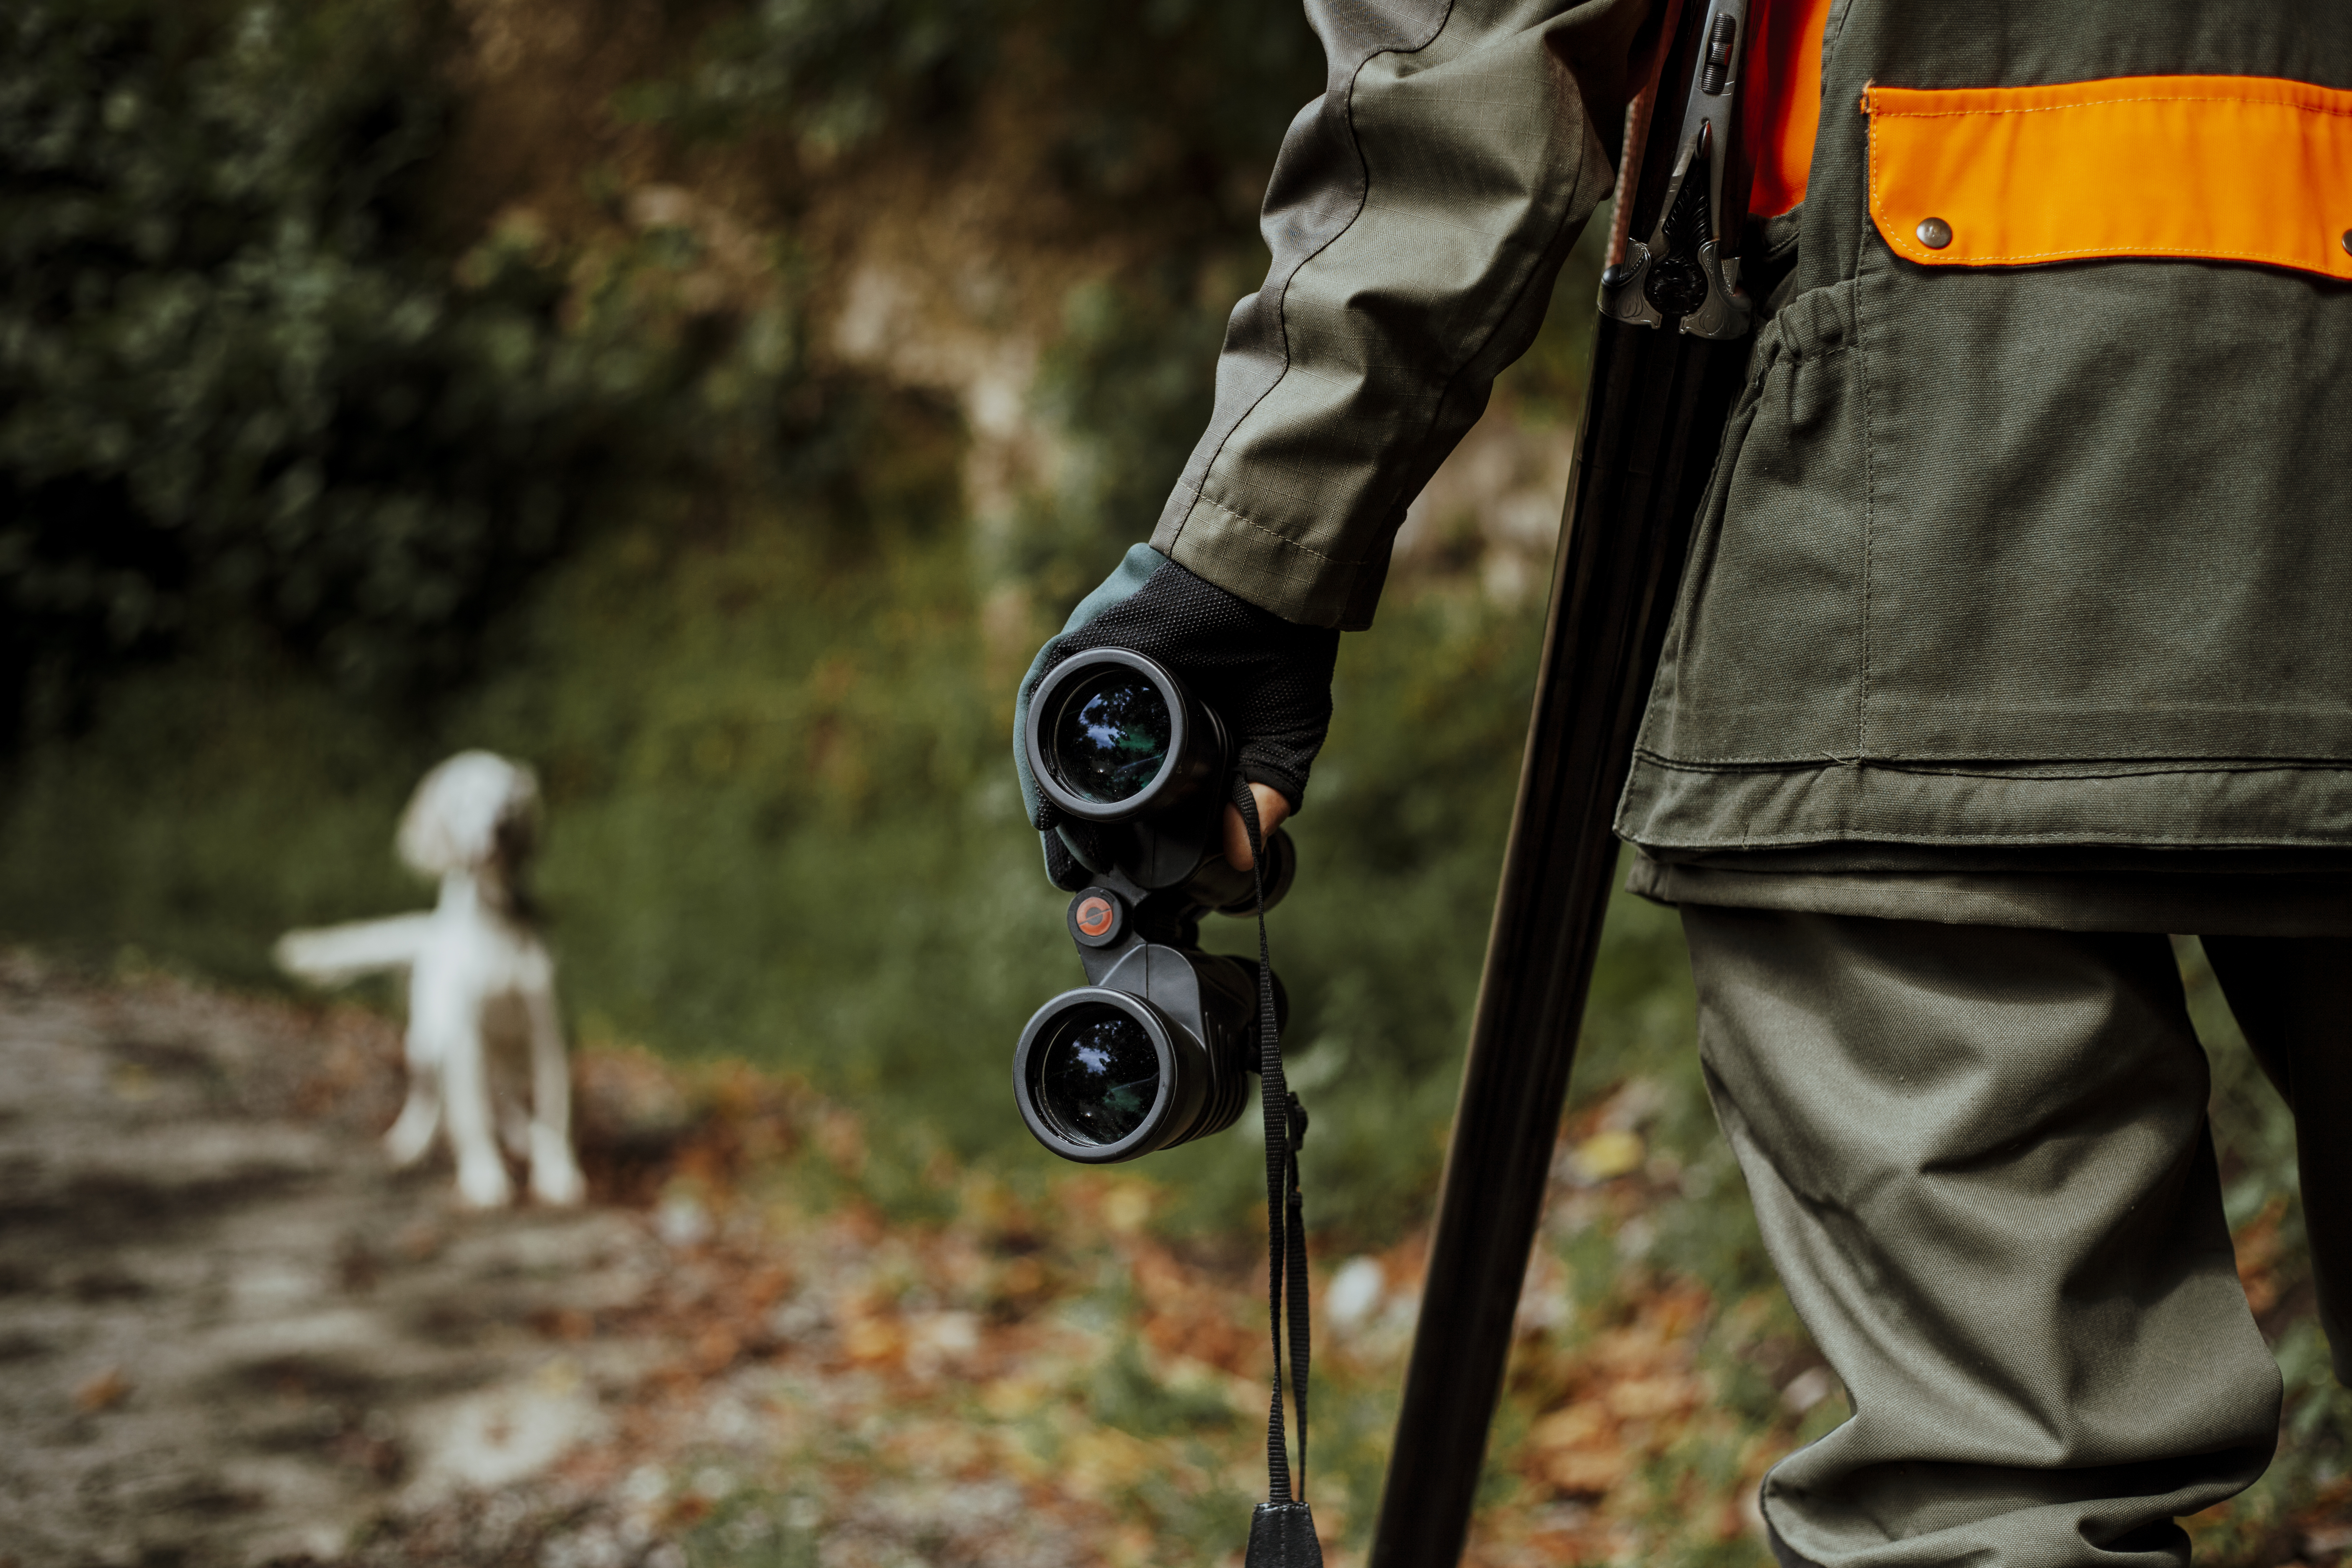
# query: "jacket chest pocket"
{"type": "Point", "coordinates": [2211, 168]}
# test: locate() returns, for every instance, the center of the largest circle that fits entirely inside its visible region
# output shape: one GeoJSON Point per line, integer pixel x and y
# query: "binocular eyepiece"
{"type": "Point", "coordinates": [1156, 1049]}
{"type": "Point", "coordinates": [1113, 736]}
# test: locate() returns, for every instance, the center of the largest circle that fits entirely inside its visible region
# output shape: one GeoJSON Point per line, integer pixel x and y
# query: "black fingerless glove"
{"type": "Point", "coordinates": [1268, 679]}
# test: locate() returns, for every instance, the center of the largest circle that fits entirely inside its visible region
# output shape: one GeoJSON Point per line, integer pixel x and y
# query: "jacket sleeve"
{"type": "Point", "coordinates": [1418, 214]}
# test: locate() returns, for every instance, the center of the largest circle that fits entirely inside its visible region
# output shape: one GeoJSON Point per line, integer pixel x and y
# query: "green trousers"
{"type": "Point", "coordinates": [1979, 1158]}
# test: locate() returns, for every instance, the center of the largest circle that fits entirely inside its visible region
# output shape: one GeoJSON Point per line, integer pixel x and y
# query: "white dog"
{"type": "Point", "coordinates": [481, 995]}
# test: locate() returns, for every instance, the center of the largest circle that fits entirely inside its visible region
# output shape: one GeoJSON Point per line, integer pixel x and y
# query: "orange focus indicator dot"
{"type": "Point", "coordinates": [1096, 916]}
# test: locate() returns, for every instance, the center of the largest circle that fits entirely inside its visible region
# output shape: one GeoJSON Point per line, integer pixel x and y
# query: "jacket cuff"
{"type": "Point", "coordinates": [1253, 562]}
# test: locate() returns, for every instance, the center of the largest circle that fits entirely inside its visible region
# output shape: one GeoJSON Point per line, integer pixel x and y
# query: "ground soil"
{"type": "Point", "coordinates": [230, 1334]}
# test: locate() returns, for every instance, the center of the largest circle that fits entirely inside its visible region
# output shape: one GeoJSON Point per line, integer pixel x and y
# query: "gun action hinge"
{"type": "Point", "coordinates": [1681, 271]}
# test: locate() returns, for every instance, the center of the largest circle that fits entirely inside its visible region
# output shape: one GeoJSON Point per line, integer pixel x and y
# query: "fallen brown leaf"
{"type": "Point", "coordinates": [103, 1392]}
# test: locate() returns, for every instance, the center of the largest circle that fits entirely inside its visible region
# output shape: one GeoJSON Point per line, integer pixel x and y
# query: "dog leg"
{"type": "Point", "coordinates": [555, 1176]}
{"type": "Point", "coordinates": [420, 1116]}
{"type": "Point", "coordinates": [510, 1099]}
{"type": "Point", "coordinates": [482, 1178]}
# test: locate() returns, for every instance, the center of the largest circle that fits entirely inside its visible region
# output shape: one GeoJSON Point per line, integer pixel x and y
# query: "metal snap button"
{"type": "Point", "coordinates": [2348, 240]}
{"type": "Point", "coordinates": [1935, 233]}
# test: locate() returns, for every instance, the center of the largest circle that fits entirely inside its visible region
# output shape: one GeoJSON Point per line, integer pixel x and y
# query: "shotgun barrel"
{"type": "Point", "coordinates": [1654, 415]}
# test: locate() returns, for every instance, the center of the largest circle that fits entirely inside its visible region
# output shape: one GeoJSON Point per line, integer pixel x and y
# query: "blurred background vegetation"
{"type": "Point", "coordinates": [714, 404]}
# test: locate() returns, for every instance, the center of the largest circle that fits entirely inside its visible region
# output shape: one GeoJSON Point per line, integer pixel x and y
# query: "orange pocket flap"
{"type": "Point", "coordinates": [2214, 168]}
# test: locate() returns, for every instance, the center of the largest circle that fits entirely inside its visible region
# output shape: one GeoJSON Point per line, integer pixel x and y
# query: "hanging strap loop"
{"type": "Point", "coordinates": [1285, 1130]}
{"type": "Point", "coordinates": [1282, 1529]}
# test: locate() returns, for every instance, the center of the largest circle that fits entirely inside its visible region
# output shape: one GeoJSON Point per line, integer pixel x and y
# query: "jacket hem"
{"type": "Point", "coordinates": [2202, 804]}
{"type": "Point", "coordinates": [2190, 902]}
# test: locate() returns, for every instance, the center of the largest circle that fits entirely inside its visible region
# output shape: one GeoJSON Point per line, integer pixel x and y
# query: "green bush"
{"type": "Point", "coordinates": [236, 384]}
{"type": "Point", "coordinates": [835, 73]}
{"type": "Point", "coordinates": [1138, 102]}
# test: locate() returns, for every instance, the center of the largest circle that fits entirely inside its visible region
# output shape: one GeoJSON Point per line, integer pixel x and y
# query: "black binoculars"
{"type": "Point", "coordinates": [1156, 1049]}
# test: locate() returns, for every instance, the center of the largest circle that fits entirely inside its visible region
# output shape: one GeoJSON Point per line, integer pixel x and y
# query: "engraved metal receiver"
{"type": "Point", "coordinates": [1682, 272]}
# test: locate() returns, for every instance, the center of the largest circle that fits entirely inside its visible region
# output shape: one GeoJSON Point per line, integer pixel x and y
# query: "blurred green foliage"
{"type": "Point", "coordinates": [1134, 101]}
{"type": "Point", "coordinates": [783, 828]}
{"type": "Point", "coordinates": [242, 383]}
{"type": "Point", "coordinates": [257, 416]}
{"type": "Point", "coordinates": [833, 72]}
{"type": "Point", "coordinates": [1127, 382]}
{"type": "Point", "coordinates": [2253, 1135]}
{"type": "Point", "coordinates": [238, 383]}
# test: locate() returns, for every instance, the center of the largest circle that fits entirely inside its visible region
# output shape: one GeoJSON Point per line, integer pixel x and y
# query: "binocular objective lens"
{"type": "Point", "coordinates": [1099, 1079]}
{"type": "Point", "coordinates": [1112, 738]}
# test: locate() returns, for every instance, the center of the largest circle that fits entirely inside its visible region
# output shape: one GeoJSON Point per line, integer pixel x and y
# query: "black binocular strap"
{"type": "Point", "coordinates": [1285, 1130]}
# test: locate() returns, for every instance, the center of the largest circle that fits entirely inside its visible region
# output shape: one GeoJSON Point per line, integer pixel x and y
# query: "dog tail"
{"type": "Point", "coordinates": [331, 955]}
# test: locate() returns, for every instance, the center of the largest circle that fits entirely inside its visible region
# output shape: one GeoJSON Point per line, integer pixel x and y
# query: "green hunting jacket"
{"type": "Point", "coordinates": [2034, 554]}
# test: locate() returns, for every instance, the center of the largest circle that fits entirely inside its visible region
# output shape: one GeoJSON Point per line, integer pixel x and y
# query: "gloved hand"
{"type": "Point", "coordinates": [1268, 679]}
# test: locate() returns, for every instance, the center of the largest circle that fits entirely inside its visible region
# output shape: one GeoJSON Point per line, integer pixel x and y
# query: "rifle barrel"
{"type": "Point", "coordinates": [1656, 404]}
{"type": "Point", "coordinates": [1654, 414]}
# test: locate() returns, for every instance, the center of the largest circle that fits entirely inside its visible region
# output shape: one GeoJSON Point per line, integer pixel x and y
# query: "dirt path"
{"type": "Point", "coordinates": [229, 1335]}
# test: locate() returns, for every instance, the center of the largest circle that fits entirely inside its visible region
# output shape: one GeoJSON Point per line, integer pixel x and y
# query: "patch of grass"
{"type": "Point", "coordinates": [783, 828]}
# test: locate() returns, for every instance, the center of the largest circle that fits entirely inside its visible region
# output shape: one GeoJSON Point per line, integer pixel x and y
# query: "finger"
{"type": "Point", "coordinates": [1271, 809]}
